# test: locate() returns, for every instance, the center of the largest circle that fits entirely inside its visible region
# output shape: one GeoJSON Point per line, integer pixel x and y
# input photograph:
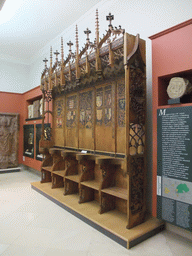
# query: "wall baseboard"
{"type": "Point", "coordinates": [179, 231]}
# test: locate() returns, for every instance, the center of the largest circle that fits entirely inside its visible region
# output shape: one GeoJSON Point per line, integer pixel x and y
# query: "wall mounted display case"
{"type": "Point", "coordinates": [28, 138]}
{"type": "Point", "coordinates": [172, 145]}
{"type": "Point", "coordinates": [34, 108]}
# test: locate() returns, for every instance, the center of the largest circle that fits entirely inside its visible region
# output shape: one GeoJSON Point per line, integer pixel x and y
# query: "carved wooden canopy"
{"type": "Point", "coordinates": [101, 59]}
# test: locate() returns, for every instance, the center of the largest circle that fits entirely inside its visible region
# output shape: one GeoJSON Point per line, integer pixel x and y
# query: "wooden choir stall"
{"type": "Point", "coordinates": [95, 153]}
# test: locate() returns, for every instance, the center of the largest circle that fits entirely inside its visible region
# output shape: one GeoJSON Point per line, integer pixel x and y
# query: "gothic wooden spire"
{"type": "Point", "coordinates": [62, 76]}
{"type": "Point", "coordinates": [77, 42]}
{"type": "Point", "coordinates": [51, 57]}
{"type": "Point", "coordinates": [50, 73]}
{"type": "Point", "coordinates": [97, 28]}
{"type": "Point", "coordinates": [62, 51]}
{"type": "Point", "coordinates": [98, 61]}
{"type": "Point", "coordinates": [77, 55]}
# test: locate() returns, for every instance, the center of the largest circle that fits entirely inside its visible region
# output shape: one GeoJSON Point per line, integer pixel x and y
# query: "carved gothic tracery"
{"type": "Point", "coordinates": [86, 109]}
{"type": "Point", "coordinates": [137, 142]}
{"type": "Point", "coordinates": [137, 184]}
{"type": "Point", "coordinates": [137, 92]}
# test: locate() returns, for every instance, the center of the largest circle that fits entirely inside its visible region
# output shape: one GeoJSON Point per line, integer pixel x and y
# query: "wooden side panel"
{"type": "Point", "coordinates": [59, 138]}
{"type": "Point", "coordinates": [96, 196]}
{"type": "Point", "coordinates": [135, 134]}
{"type": "Point", "coordinates": [120, 179]}
{"type": "Point", "coordinates": [58, 125]}
{"type": "Point", "coordinates": [85, 139]}
{"type": "Point", "coordinates": [97, 173]}
{"type": "Point", "coordinates": [104, 140]}
{"type": "Point", "coordinates": [86, 120]}
{"type": "Point", "coordinates": [104, 130]}
{"type": "Point", "coordinates": [121, 205]}
{"type": "Point", "coordinates": [71, 118]}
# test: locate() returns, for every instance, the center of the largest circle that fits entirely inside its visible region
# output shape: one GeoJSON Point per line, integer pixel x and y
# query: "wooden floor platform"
{"type": "Point", "coordinates": [112, 223]}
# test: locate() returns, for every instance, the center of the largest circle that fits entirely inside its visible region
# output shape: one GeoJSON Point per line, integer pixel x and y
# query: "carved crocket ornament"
{"type": "Point", "coordinates": [178, 87]}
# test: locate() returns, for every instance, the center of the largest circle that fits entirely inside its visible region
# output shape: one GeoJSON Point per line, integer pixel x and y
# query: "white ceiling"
{"type": "Point", "coordinates": [35, 23]}
{"type": "Point", "coordinates": [1, 3]}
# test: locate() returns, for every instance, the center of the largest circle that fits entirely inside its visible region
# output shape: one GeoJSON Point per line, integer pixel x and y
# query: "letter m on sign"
{"type": "Point", "coordinates": [162, 112]}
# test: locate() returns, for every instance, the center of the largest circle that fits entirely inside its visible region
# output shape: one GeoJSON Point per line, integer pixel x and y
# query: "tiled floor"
{"type": "Point", "coordinates": [32, 225]}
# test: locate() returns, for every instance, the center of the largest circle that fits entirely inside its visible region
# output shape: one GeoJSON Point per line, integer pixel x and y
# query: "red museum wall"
{"type": "Point", "coordinates": [13, 103]}
{"type": "Point", "coordinates": [17, 103]}
{"type": "Point", "coordinates": [171, 55]}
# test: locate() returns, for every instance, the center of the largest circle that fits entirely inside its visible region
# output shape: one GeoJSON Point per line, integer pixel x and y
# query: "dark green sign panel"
{"type": "Point", "coordinates": [174, 166]}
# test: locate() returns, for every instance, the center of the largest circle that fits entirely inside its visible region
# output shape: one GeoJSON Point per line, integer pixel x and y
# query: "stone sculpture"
{"type": "Point", "coordinates": [30, 111]}
{"type": "Point", "coordinates": [178, 87]}
{"type": "Point", "coordinates": [36, 107]}
{"type": "Point", "coordinates": [41, 107]}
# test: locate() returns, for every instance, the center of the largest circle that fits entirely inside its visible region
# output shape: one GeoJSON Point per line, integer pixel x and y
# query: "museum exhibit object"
{"type": "Point", "coordinates": [95, 149]}
{"type": "Point", "coordinates": [38, 129]}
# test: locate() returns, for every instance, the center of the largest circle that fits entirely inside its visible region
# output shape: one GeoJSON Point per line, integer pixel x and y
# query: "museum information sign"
{"type": "Point", "coordinates": [174, 166]}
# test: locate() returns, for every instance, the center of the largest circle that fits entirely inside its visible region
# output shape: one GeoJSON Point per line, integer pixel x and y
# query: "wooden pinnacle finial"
{"type": "Point", "coordinates": [97, 27]}
{"type": "Point", "coordinates": [62, 51]}
{"type": "Point", "coordinates": [56, 53]}
{"type": "Point", "coordinates": [70, 44]}
{"type": "Point", "coordinates": [45, 60]}
{"type": "Point", "coordinates": [87, 32]}
{"type": "Point", "coordinates": [110, 18]}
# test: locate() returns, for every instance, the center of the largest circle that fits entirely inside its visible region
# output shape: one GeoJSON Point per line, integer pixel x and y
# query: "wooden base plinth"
{"type": "Point", "coordinates": [112, 224]}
